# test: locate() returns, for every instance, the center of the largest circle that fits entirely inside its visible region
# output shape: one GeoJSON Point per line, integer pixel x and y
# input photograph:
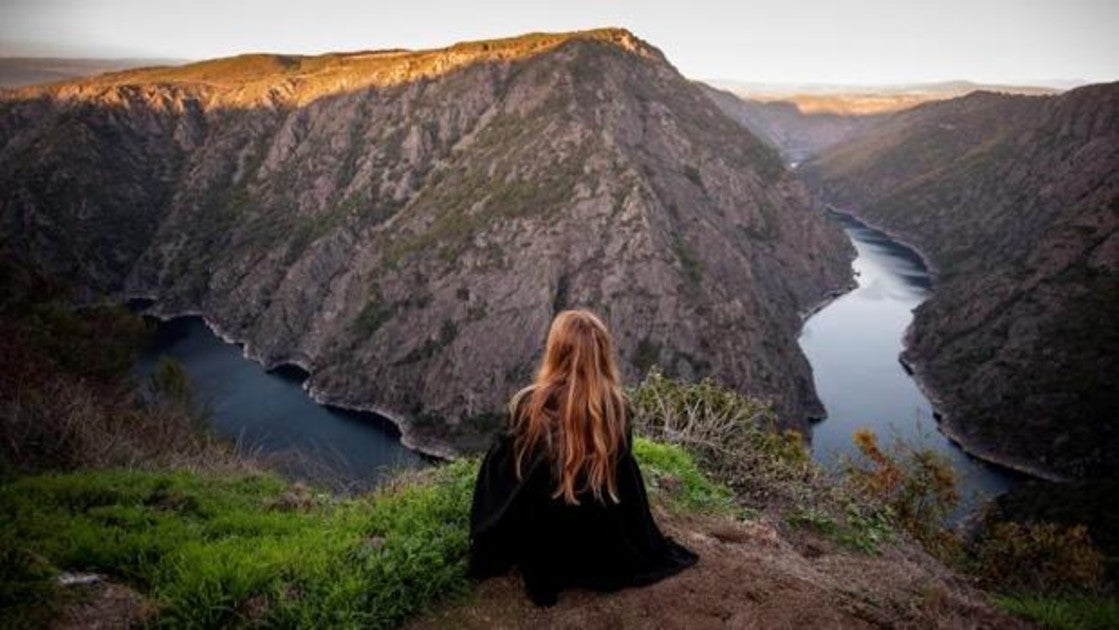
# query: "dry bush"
{"type": "Point", "coordinates": [1038, 558]}
{"type": "Point", "coordinates": [735, 436]}
{"type": "Point", "coordinates": [917, 484]}
{"type": "Point", "coordinates": [64, 425]}
{"type": "Point", "coordinates": [68, 398]}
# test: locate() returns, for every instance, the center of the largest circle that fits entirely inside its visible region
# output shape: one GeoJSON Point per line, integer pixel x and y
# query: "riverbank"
{"type": "Point", "coordinates": [407, 436]}
{"type": "Point", "coordinates": [857, 345]}
{"type": "Point", "coordinates": [944, 425]}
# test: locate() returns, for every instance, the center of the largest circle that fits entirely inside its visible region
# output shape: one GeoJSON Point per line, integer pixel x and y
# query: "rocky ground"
{"type": "Point", "coordinates": [749, 576]}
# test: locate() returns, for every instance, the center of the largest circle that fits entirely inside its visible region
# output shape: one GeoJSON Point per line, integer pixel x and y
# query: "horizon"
{"type": "Point", "coordinates": [868, 43]}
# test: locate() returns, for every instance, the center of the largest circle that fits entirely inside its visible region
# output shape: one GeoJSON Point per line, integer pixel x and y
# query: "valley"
{"type": "Point", "coordinates": [403, 225]}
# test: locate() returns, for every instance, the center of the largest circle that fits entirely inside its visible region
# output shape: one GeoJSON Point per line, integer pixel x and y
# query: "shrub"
{"type": "Point", "coordinates": [72, 402]}
{"type": "Point", "coordinates": [1064, 613]}
{"type": "Point", "coordinates": [734, 436]}
{"type": "Point", "coordinates": [1038, 558]}
{"type": "Point", "coordinates": [918, 485]}
{"type": "Point", "coordinates": [737, 440]}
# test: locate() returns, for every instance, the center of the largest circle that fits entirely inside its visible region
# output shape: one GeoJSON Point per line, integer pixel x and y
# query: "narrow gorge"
{"type": "Point", "coordinates": [403, 225]}
{"type": "Point", "coordinates": [1015, 200]}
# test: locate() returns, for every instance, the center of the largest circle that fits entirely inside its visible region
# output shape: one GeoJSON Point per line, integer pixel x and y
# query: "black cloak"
{"type": "Point", "coordinates": [596, 545]}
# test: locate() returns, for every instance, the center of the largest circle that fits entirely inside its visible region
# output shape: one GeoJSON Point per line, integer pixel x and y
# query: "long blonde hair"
{"type": "Point", "coordinates": [574, 407]}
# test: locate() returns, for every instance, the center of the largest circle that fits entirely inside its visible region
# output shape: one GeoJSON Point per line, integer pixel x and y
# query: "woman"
{"type": "Point", "coordinates": [559, 494]}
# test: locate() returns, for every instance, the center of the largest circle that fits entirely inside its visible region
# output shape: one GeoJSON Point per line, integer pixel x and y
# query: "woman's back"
{"type": "Point", "coordinates": [566, 521]}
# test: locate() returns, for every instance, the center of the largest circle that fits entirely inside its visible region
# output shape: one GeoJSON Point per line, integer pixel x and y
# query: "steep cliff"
{"type": "Point", "coordinates": [1016, 201]}
{"type": "Point", "coordinates": [405, 224]}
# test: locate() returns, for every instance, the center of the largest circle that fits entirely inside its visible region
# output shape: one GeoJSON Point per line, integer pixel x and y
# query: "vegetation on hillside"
{"type": "Point", "coordinates": [69, 399]}
{"type": "Point", "coordinates": [135, 488]}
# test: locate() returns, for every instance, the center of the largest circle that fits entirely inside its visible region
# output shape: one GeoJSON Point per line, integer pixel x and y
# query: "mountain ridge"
{"type": "Point", "coordinates": [294, 79]}
{"type": "Point", "coordinates": [389, 238]}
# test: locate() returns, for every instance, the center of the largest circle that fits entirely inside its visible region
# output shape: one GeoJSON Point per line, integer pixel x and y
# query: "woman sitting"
{"type": "Point", "coordinates": [559, 494]}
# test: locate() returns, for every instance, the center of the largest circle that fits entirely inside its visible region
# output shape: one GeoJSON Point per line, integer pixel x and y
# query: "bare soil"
{"type": "Point", "coordinates": [750, 576]}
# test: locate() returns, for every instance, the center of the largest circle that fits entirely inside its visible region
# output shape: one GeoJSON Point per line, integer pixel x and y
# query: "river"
{"type": "Point", "coordinates": [269, 411]}
{"type": "Point", "coordinates": [853, 345]}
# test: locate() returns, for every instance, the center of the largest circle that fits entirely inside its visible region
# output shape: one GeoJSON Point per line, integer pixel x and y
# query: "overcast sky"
{"type": "Point", "coordinates": [826, 41]}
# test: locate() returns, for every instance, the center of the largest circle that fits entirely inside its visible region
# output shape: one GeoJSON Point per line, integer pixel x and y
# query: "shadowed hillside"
{"type": "Point", "coordinates": [1016, 201]}
{"type": "Point", "coordinates": [404, 224]}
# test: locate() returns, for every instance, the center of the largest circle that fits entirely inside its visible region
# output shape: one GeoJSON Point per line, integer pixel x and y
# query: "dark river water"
{"type": "Point", "coordinates": [853, 344]}
{"type": "Point", "coordinates": [269, 411]}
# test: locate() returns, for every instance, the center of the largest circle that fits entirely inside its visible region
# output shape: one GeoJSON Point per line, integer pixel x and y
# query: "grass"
{"type": "Point", "coordinates": [672, 474]}
{"type": "Point", "coordinates": [248, 549]}
{"type": "Point", "coordinates": [1064, 613]}
{"type": "Point", "coordinates": [241, 549]}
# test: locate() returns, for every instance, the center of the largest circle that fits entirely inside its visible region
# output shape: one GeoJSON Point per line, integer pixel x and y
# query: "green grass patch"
{"type": "Point", "coordinates": [251, 549]}
{"type": "Point", "coordinates": [673, 476]}
{"type": "Point", "coordinates": [243, 549]}
{"type": "Point", "coordinates": [1064, 613]}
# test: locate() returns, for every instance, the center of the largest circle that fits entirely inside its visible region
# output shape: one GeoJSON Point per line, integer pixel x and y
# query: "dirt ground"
{"type": "Point", "coordinates": [104, 605]}
{"type": "Point", "coordinates": [749, 576]}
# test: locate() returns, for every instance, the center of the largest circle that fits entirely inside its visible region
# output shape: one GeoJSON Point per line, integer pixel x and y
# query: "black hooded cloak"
{"type": "Point", "coordinates": [598, 545]}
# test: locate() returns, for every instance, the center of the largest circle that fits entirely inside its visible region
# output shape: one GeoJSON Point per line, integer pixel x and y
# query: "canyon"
{"type": "Point", "coordinates": [403, 225]}
{"type": "Point", "coordinates": [1015, 201]}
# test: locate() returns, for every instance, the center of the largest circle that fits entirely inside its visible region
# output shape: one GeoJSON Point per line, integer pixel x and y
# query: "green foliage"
{"type": "Point", "coordinates": [170, 380]}
{"type": "Point", "coordinates": [736, 440]}
{"type": "Point", "coordinates": [374, 315]}
{"type": "Point", "coordinates": [246, 549]}
{"type": "Point", "coordinates": [1064, 613]}
{"type": "Point", "coordinates": [671, 473]}
{"type": "Point", "coordinates": [252, 550]}
{"type": "Point", "coordinates": [73, 401]}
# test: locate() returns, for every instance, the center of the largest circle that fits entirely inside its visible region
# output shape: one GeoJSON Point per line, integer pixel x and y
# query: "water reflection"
{"type": "Point", "coordinates": [853, 345]}
{"type": "Point", "coordinates": [271, 412]}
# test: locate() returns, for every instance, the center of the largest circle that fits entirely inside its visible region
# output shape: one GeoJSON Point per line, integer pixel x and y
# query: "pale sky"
{"type": "Point", "coordinates": [825, 41]}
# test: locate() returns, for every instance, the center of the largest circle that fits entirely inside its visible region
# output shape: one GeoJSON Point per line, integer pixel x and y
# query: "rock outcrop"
{"type": "Point", "coordinates": [1016, 201]}
{"type": "Point", "coordinates": [405, 224]}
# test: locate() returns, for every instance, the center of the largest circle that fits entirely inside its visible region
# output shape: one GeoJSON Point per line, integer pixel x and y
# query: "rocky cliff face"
{"type": "Point", "coordinates": [405, 224]}
{"type": "Point", "coordinates": [1016, 200]}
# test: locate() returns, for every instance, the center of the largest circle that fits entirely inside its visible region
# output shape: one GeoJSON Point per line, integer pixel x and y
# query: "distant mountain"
{"type": "Point", "coordinates": [797, 135]}
{"type": "Point", "coordinates": [24, 71]}
{"type": "Point", "coordinates": [1016, 201]}
{"type": "Point", "coordinates": [801, 120]}
{"type": "Point", "coordinates": [405, 224]}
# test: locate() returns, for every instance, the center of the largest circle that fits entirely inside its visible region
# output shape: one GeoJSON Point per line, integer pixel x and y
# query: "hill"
{"type": "Point", "coordinates": [1015, 199]}
{"type": "Point", "coordinates": [803, 120]}
{"type": "Point", "coordinates": [18, 72]}
{"type": "Point", "coordinates": [404, 224]}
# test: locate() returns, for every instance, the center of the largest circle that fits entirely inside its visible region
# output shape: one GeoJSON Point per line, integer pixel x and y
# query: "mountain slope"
{"type": "Point", "coordinates": [1016, 201]}
{"type": "Point", "coordinates": [405, 224]}
{"type": "Point", "coordinates": [804, 120]}
{"type": "Point", "coordinates": [785, 125]}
